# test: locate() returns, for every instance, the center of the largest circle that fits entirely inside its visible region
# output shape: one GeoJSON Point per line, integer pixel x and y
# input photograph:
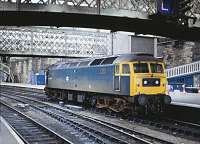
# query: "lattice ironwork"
{"type": "Point", "coordinates": [147, 6]}
{"type": "Point", "coordinates": [195, 11]}
{"type": "Point", "coordinates": [51, 42]}
{"type": "Point", "coordinates": [144, 6]}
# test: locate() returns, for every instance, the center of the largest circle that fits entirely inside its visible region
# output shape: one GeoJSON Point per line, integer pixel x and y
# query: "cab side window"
{"type": "Point", "coordinates": [125, 69]}
{"type": "Point", "coordinates": [116, 69]}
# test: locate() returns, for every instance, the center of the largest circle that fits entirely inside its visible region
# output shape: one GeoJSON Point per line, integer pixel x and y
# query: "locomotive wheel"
{"type": "Point", "coordinates": [118, 105]}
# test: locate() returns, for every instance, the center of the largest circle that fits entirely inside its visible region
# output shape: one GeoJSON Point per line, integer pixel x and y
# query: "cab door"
{"type": "Point", "coordinates": [116, 82]}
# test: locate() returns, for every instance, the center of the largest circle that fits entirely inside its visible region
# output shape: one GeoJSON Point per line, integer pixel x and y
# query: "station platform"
{"type": "Point", "coordinates": [23, 85]}
{"type": "Point", "coordinates": [185, 99]}
{"type": "Point", "coordinates": [7, 134]}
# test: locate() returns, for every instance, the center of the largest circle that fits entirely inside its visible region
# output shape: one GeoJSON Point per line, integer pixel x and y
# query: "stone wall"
{"type": "Point", "coordinates": [23, 68]}
{"type": "Point", "coordinates": [177, 53]}
{"type": "Point", "coordinates": [196, 81]}
{"type": "Point", "coordinates": [196, 51]}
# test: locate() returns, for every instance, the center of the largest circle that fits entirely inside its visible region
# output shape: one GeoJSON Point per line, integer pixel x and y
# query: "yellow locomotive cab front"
{"type": "Point", "coordinates": [148, 78]}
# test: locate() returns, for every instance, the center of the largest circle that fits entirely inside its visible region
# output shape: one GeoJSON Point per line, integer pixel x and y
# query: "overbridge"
{"type": "Point", "coordinates": [114, 15]}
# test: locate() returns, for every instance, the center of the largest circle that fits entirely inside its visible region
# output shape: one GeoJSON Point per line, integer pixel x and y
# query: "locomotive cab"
{"type": "Point", "coordinates": [148, 79]}
{"type": "Point", "coordinates": [145, 77]}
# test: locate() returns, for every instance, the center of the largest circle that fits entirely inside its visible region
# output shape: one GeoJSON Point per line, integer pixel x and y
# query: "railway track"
{"type": "Point", "coordinates": [93, 127]}
{"type": "Point", "coordinates": [184, 129]}
{"type": "Point", "coordinates": [34, 93]}
{"type": "Point", "coordinates": [25, 126]}
{"type": "Point", "coordinates": [173, 126]}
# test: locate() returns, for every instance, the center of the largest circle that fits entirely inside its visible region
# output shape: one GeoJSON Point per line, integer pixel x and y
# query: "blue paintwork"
{"type": "Point", "coordinates": [125, 85]}
{"type": "Point", "coordinates": [40, 79]}
{"type": "Point", "coordinates": [97, 79]}
{"type": "Point", "coordinates": [187, 80]}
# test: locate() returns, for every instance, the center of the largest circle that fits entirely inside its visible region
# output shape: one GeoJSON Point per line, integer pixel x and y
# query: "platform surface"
{"type": "Point", "coordinates": [7, 135]}
{"type": "Point", "coordinates": [185, 99]}
{"type": "Point", "coordinates": [23, 85]}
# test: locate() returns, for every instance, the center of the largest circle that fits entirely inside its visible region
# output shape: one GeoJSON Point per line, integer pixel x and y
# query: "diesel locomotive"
{"type": "Point", "coordinates": [122, 83]}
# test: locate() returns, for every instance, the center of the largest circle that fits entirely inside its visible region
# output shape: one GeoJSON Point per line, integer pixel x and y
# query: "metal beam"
{"type": "Point", "coordinates": [5, 6]}
{"type": "Point", "coordinates": [140, 26]}
{"type": "Point", "coordinates": [140, 6]}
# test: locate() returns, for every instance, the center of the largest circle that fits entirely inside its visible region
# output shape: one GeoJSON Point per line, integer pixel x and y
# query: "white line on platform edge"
{"type": "Point", "coordinates": [186, 104]}
{"type": "Point", "coordinates": [18, 139]}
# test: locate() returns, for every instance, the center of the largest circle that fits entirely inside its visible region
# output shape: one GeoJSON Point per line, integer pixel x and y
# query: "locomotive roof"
{"type": "Point", "coordinates": [136, 57]}
{"type": "Point", "coordinates": [106, 60]}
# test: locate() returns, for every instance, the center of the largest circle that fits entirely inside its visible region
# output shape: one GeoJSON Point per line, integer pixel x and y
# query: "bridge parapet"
{"type": "Point", "coordinates": [130, 8]}
{"type": "Point", "coordinates": [53, 42]}
{"type": "Point", "coordinates": [182, 70]}
{"type": "Point", "coordinates": [104, 7]}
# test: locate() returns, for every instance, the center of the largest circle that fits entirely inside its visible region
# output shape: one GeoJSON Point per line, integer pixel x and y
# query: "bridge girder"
{"type": "Point", "coordinates": [122, 8]}
{"type": "Point", "coordinates": [65, 8]}
{"type": "Point", "coordinates": [130, 8]}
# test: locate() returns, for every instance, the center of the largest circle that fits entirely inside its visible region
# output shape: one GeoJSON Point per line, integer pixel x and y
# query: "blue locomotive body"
{"type": "Point", "coordinates": [98, 79]}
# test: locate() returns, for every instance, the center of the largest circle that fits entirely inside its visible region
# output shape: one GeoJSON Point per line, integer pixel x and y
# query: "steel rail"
{"type": "Point", "coordinates": [27, 125]}
{"type": "Point", "coordinates": [80, 125]}
{"type": "Point", "coordinates": [126, 131]}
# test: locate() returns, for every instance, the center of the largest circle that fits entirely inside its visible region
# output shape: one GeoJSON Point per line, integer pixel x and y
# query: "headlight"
{"type": "Point", "coordinates": [145, 82]}
{"type": "Point", "coordinates": [156, 82]}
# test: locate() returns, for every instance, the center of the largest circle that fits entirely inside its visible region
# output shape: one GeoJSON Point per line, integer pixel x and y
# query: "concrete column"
{"type": "Point", "coordinates": [29, 70]}
{"type": "Point", "coordinates": [24, 72]}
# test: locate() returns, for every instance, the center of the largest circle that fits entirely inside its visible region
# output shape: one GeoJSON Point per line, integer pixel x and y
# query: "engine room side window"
{"type": "Point", "coordinates": [125, 69]}
{"type": "Point", "coordinates": [156, 68]}
{"type": "Point", "coordinates": [140, 68]}
{"type": "Point", "coordinates": [116, 69]}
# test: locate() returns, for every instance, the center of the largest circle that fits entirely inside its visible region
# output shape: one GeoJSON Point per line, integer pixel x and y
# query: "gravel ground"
{"type": "Point", "coordinates": [124, 123]}
{"type": "Point", "coordinates": [58, 127]}
{"type": "Point", "coordinates": [145, 130]}
{"type": "Point", "coordinates": [64, 130]}
{"type": "Point", "coordinates": [76, 137]}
